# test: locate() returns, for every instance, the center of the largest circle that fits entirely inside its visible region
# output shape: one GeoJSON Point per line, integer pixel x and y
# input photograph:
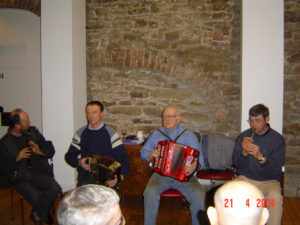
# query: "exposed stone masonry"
{"type": "Point", "coordinates": [291, 114]}
{"type": "Point", "coordinates": [134, 99]}
{"type": "Point", "coordinates": [193, 42]}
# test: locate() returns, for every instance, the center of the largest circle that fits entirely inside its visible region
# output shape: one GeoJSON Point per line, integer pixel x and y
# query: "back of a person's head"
{"type": "Point", "coordinates": [236, 203]}
{"type": "Point", "coordinates": [87, 205]}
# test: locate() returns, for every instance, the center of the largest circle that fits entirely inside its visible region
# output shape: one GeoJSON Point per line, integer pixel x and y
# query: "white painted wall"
{"type": "Point", "coordinates": [20, 64]}
{"type": "Point", "coordinates": [63, 78]}
{"type": "Point", "coordinates": [263, 58]}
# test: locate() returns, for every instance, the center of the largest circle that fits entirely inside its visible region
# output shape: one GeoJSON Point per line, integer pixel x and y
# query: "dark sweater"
{"type": "Point", "coordinates": [11, 145]}
{"type": "Point", "coordinates": [272, 146]}
{"type": "Point", "coordinates": [104, 141]}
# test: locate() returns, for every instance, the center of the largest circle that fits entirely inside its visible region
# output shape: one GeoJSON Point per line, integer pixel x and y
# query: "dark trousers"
{"type": "Point", "coordinates": [40, 193]}
{"type": "Point", "coordinates": [84, 177]}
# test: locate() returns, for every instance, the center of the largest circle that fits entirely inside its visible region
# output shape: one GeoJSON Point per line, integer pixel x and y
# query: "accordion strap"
{"type": "Point", "coordinates": [170, 139]}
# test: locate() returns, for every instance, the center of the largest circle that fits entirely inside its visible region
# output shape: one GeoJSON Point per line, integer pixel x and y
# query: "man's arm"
{"type": "Point", "coordinates": [72, 155]}
{"type": "Point", "coordinates": [274, 159]}
{"type": "Point", "coordinates": [148, 147]}
{"type": "Point", "coordinates": [119, 151]}
{"type": "Point", "coordinates": [40, 145]}
{"type": "Point", "coordinates": [123, 158]}
{"type": "Point", "coordinates": [8, 162]}
{"type": "Point", "coordinates": [238, 158]}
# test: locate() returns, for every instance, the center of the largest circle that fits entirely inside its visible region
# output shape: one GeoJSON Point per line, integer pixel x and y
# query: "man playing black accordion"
{"type": "Point", "coordinates": [94, 142]}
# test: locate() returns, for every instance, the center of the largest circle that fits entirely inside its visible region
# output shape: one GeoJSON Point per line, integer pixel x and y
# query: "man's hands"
{"type": "Point", "coordinates": [154, 154]}
{"type": "Point", "coordinates": [26, 152]}
{"type": "Point", "coordinates": [35, 148]}
{"type": "Point", "coordinates": [250, 148]}
{"type": "Point", "coordinates": [113, 182]}
{"type": "Point", "coordinates": [83, 164]}
{"type": "Point", "coordinates": [190, 168]}
{"type": "Point", "coordinates": [110, 183]}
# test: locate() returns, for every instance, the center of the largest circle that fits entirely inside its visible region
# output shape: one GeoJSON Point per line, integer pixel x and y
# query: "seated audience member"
{"type": "Point", "coordinates": [90, 205]}
{"type": "Point", "coordinates": [24, 155]}
{"type": "Point", "coordinates": [259, 155]}
{"type": "Point", "coordinates": [96, 138]}
{"type": "Point", "coordinates": [238, 203]}
{"type": "Point", "coordinates": [192, 190]}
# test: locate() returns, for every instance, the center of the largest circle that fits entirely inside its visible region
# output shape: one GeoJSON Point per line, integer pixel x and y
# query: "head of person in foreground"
{"type": "Point", "coordinates": [90, 205]}
{"type": "Point", "coordinates": [238, 203]}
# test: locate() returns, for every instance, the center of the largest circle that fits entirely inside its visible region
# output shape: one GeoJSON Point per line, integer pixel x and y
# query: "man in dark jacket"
{"type": "Point", "coordinates": [24, 155]}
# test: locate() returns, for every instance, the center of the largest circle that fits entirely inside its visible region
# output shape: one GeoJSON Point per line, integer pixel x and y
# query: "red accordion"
{"type": "Point", "coordinates": [173, 159]}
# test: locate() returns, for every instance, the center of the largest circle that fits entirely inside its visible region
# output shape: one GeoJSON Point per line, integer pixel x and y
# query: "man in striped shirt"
{"type": "Point", "coordinates": [96, 138]}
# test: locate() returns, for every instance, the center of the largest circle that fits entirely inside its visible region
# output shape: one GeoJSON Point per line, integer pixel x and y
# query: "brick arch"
{"type": "Point", "coordinates": [132, 58]}
{"type": "Point", "coordinates": [142, 59]}
{"type": "Point", "coordinates": [33, 6]}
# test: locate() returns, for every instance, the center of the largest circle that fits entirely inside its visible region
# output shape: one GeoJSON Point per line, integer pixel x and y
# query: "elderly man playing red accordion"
{"type": "Point", "coordinates": [192, 190]}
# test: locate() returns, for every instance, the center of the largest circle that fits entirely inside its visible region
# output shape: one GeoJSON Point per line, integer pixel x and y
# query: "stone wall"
{"type": "Point", "coordinates": [134, 98]}
{"type": "Point", "coordinates": [143, 55]}
{"type": "Point", "coordinates": [291, 120]}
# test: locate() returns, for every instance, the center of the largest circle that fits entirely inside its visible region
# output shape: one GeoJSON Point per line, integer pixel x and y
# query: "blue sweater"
{"type": "Point", "coordinates": [104, 141]}
{"type": "Point", "coordinates": [271, 145]}
{"type": "Point", "coordinates": [188, 138]}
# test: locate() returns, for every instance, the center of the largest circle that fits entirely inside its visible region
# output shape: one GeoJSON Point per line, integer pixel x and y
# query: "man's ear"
{"type": "Point", "coordinates": [264, 216]}
{"type": "Point", "coordinates": [212, 215]}
{"type": "Point", "coordinates": [268, 119]}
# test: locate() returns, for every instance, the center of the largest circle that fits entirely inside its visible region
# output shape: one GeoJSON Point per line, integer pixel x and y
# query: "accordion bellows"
{"type": "Point", "coordinates": [103, 168]}
{"type": "Point", "coordinates": [173, 159]}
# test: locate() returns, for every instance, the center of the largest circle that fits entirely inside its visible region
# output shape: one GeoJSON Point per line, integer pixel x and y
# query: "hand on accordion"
{"type": "Point", "coordinates": [113, 182]}
{"type": "Point", "coordinates": [191, 167]}
{"type": "Point", "coordinates": [154, 154]}
{"type": "Point", "coordinates": [83, 163]}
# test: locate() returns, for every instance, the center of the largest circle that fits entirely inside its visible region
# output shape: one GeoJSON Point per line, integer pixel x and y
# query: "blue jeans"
{"type": "Point", "coordinates": [192, 191]}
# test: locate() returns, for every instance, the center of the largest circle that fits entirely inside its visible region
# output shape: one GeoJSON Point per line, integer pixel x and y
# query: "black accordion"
{"type": "Point", "coordinates": [103, 168]}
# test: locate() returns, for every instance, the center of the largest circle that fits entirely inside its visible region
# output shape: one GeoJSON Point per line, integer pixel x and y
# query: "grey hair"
{"type": "Point", "coordinates": [87, 205]}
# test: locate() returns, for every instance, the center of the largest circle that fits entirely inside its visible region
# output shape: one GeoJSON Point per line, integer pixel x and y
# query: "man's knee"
{"type": "Point", "coordinates": [150, 192]}
{"type": "Point", "coordinates": [275, 195]}
{"type": "Point", "coordinates": [56, 188]}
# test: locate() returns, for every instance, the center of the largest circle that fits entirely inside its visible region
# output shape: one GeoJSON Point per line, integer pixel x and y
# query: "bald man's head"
{"type": "Point", "coordinates": [236, 203]}
{"type": "Point", "coordinates": [171, 117]}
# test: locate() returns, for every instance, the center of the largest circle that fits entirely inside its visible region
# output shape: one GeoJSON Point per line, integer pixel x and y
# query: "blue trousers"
{"type": "Point", "coordinates": [192, 191]}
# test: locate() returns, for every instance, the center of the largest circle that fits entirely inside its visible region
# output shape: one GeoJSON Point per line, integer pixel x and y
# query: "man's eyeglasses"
{"type": "Point", "coordinates": [254, 121]}
{"type": "Point", "coordinates": [170, 116]}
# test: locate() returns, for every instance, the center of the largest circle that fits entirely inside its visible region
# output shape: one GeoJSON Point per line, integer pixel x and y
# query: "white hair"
{"type": "Point", "coordinates": [87, 205]}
